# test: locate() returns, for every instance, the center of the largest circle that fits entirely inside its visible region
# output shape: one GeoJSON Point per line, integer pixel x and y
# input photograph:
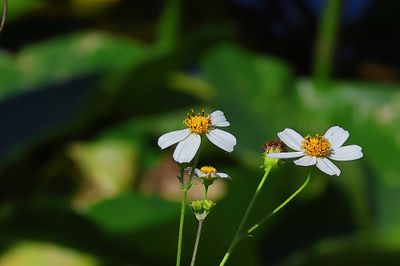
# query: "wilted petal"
{"type": "Point", "coordinates": [218, 119]}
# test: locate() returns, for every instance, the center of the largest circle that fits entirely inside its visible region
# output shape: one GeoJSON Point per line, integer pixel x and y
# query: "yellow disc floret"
{"type": "Point", "coordinates": [317, 146]}
{"type": "Point", "coordinates": [199, 123]}
{"type": "Point", "coordinates": [208, 170]}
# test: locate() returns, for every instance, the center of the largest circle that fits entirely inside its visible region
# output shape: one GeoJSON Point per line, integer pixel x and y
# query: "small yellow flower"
{"type": "Point", "coordinates": [208, 172]}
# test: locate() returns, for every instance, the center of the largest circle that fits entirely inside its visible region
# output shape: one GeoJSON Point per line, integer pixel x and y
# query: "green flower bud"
{"type": "Point", "coordinates": [202, 208]}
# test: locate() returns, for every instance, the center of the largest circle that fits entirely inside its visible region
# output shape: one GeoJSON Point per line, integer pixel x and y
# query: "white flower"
{"type": "Point", "coordinates": [318, 150]}
{"type": "Point", "coordinates": [190, 138]}
{"type": "Point", "coordinates": [209, 172]}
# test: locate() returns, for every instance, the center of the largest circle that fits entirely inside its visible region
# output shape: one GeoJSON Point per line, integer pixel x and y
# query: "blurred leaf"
{"type": "Point", "coordinates": [259, 94]}
{"type": "Point", "coordinates": [191, 84]}
{"type": "Point", "coordinates": [107, 167]}
{"type": "Point", "coordinates": [132, 212]}
{"type": "Point", "coordinates": [44, 254]}
{"type": "Point", "coordinates": [169, 25]}
{"type": "Point", "coordinates": [347, 251]}
{"type": "Point", "coordinates": [66, 57]}
{"type": "Point", "coordinates": [259, 87]}
{"type": "Point", "coordinates": [247, 88]}
{"type": "Point", "coordinates": [18, 8]}
{"type": "Point", "coordinates": [371, 112]}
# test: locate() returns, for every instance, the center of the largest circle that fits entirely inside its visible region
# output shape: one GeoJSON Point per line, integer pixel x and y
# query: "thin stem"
{"type": "Point", "coordinates": [277, 209]}
{"type": "Point", "coordinates": [196, 244]}
{"type": "Point", "coordinates": [4, 15]}
{"type": "Point", "coordinates": [181, 222]}
{"type": "Point", "coordinates": [205, 192]}
{"type": "Point", "coordinates": [182, 177]}
{"type": "Point", "coordinates": [185, 189]}
{"type": "Point", "coordinates": [238, 233]}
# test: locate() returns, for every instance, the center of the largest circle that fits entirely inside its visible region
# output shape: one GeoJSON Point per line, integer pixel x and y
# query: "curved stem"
{"type": "Point", "coordinates": [196, 244]}
{"type": "Point", "coordinates": [238, 233]}
{"type": "Point", "coordinates": [185, 189]}
{"type": "Point", "coordinates": [277, 209]}
{"type": "Point", "coordinates": [4, 15]}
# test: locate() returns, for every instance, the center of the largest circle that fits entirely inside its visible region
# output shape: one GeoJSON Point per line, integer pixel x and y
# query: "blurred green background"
{"type": "Point", "coordinates": [87, 87]}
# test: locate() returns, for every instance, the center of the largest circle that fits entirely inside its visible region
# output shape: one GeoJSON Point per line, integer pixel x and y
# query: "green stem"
{"type": "Point", "coordinates": [325, 43]}
{"type": "Point", "coordinates": [238, 233]}
{"type": "Point", "coordinates": [205, 192]}
{"type": "Point", "coordinates": [196, 244]}
{"type": "Point", "coordinates": [185, 189]}
{"type": "Point", "coordinates": [277, 209]}
{"type": "Point", "coordinates": [181, 222]}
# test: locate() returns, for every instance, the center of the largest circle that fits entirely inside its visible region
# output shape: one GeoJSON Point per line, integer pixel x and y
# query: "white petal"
{"type": "Point", "coordinates": [285, 155]}
{"type": "Point", "coordinates": [291, 138]}
{"type": "Point", "coordinates": [223, 175]}
{"type": "Point", "coordinates": [222, 139]}
{"type": "Point", "coordinates": [327, 166]}
{"type": "Point", "coordinates": [173, 137]}
{"type": "Point", "coordinates": [187, 148]}
{"type": "Point", "coordinates": [336, 136]}
{"type": "Point", "coordinates": [306, 161]}
{"type": "Point", "coordinates": [199, 173]}
{"type": "Point", "coordinates": [347, 153]}
{"type": "Point", "coordinates": [218, 119]}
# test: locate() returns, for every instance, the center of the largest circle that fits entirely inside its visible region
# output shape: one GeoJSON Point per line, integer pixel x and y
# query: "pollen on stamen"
{"type": "Point", "coordinates": [199, 123]}
{"type": "Point", "coordinates": [208, 170]}
{"type": "Point", "coordinates": [317, 146]}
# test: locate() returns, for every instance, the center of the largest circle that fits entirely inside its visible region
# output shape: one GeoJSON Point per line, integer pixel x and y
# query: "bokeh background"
{"type": "Point", "coordinates": [87, 87]}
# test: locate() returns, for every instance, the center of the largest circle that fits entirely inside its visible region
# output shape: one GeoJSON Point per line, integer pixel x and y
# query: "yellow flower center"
{"type": "Point", "coordinates": [208, 170]}
{"type": "Point", "coordinates": [199, 123]}
{"type": "Point", "coordinates": [317, 146]}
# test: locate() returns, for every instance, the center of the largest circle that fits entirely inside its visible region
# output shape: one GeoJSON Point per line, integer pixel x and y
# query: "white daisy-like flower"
{"type": "Point", "coordinates": [189, 139]}
{"type": "Point", "coordinates": [209, 172]}
{"type": "Point", "coordinates": [317, 150]}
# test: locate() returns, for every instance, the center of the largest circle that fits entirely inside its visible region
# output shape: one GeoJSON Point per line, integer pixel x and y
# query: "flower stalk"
{"type": "Point", "coordinates": [196, 244]}
{"type": "Point", "coordinates": [185, 189]}
{"type": "Point", "coordinates": [239, 231]}
{"type": "Point", "coordinates": [277, 209]}
{"type": "Point", "coordinates": [201, 208]}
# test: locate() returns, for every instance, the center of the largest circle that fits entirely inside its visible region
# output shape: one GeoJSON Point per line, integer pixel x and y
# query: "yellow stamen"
{"type": "Point", "coordinates": [317, 146]}
{"type": "Point", "coordinates": [199, 123]}
{"type": "Point", "coordinates": [208, 170]}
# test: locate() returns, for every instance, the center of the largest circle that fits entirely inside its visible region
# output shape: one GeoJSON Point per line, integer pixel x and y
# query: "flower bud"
{"type": "Point", "coordinates": [272, 146]}
{"type": "Point", "coordinates": [201, 208]}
